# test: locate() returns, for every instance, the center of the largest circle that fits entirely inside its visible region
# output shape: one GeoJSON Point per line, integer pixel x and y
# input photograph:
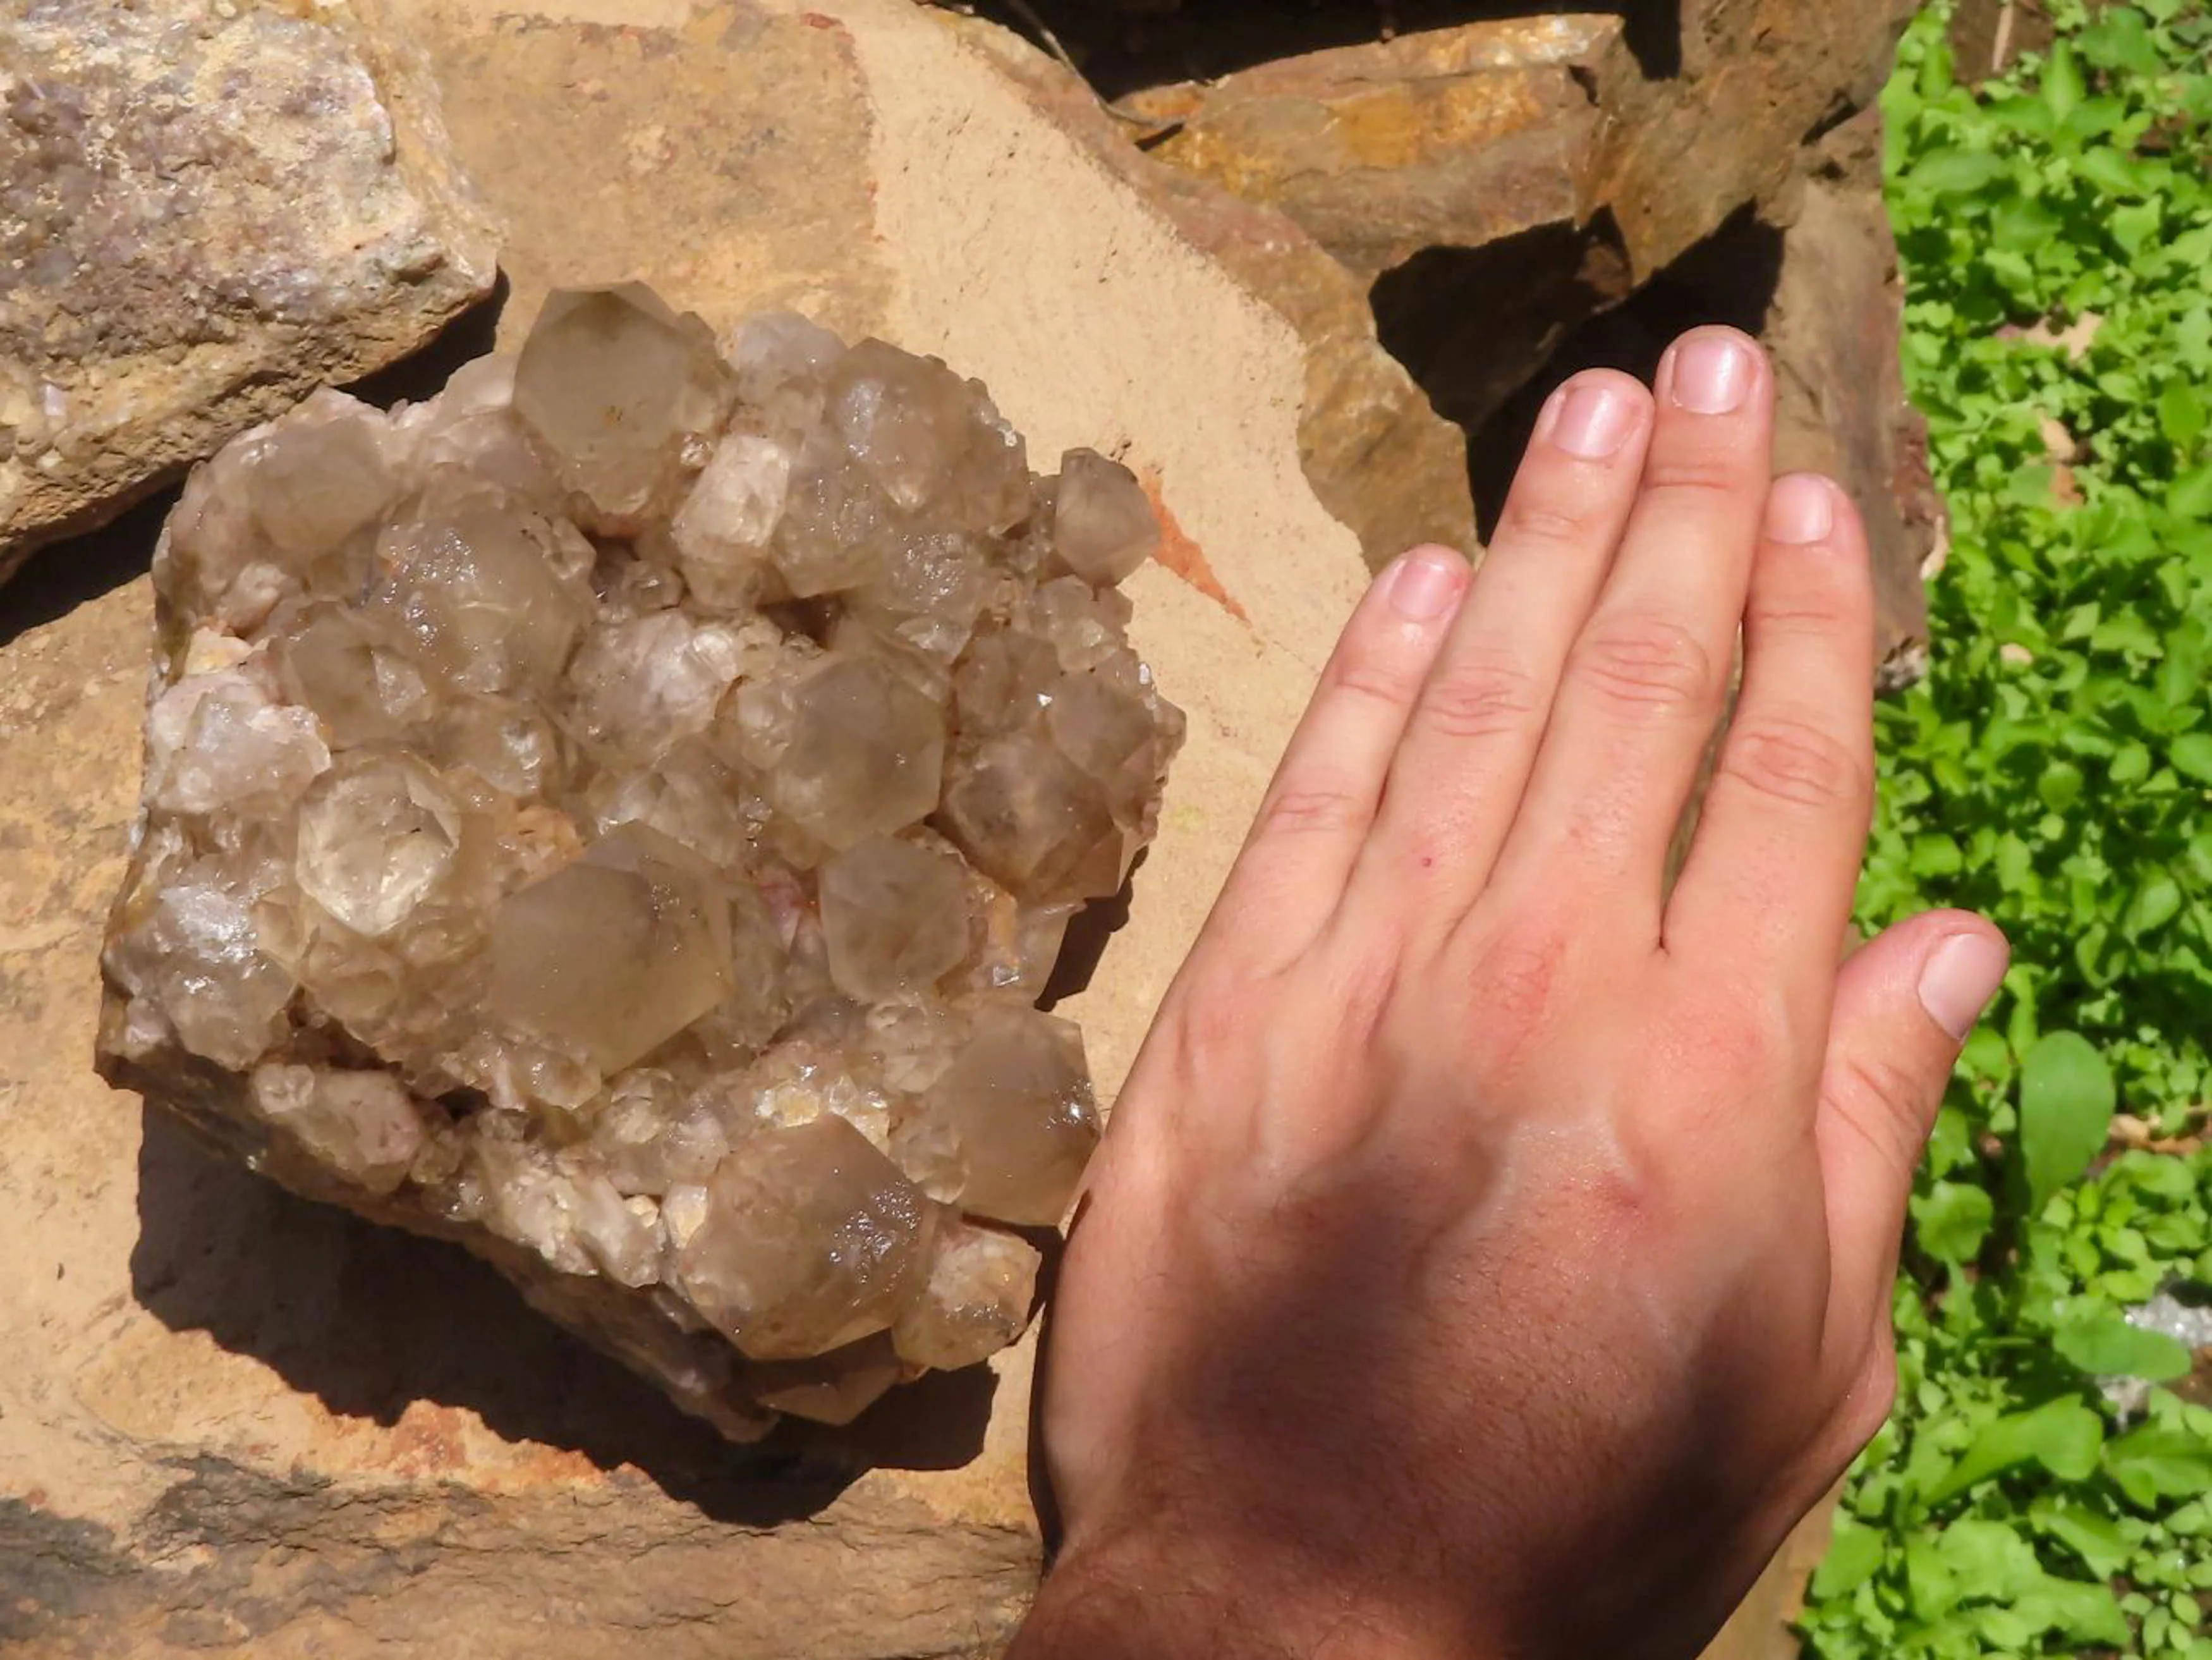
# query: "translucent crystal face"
{"type": "Point", "coordinates": [619, 389]}
{"type": "Point", "coordinates": [623, 811]}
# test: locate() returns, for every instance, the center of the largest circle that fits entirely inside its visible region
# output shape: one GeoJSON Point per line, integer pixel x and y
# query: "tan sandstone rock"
{"type": "Point", "coordinates": [1454, 138]}
{"type": "Point", "coordinates": [233, 1423]}
{"type": "Point", "coordinates": [1504, 181]}
{"type": "Point", "coordinates": [1374, 451]}
{"type": "Point", "coordinates": [204, 212]}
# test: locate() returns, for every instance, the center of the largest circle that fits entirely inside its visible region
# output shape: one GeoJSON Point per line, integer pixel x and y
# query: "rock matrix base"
{"type": "Point", "coordinates": [620, 815]}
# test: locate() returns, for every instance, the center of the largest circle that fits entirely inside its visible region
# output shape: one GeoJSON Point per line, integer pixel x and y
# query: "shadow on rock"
{"type": "Point", "coordinates": [1729, 277]}
{"type": "Point", "coordinates": [422, 374]}
{"type": "Point", "coordinates": [370, 1320]}
{"type": "Point", "coordinates": [1121, 48]}
{"type": "Point", "coordinates": [61, 575]}
{"type": "Point", "coordinates": [1088, 932]}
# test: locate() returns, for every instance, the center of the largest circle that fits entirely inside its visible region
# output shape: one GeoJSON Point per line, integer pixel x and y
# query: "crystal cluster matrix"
{"type": "Point", "coordinates": [620, 814]}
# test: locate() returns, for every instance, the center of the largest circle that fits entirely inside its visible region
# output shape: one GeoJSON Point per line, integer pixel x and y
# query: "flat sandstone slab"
{"type": "Point", "coordinates": [233, 1422]}
{"type": "Point", "coordinates": [205, 211]}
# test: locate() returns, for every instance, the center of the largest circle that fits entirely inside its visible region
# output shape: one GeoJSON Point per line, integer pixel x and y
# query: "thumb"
{"type": "Point", "coordinates": [1903, 1005]}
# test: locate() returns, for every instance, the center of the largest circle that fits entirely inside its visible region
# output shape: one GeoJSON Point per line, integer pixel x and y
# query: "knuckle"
{"type": "Point", "coordinates": [1794, 760]}
{"type": "Point", "coordinates": [1880, 1102]}
{"type": "Point", "coordinates": [1800, 613]}
{"type": "Point", "coordinates": [1362, 990]}
{"type": "Point", "coordinates": [1531, 518]}
{"type": "Point", "coordinates": [1364, 677]}
{"type": "Point", "coordinates": [1479, 698]}
{"type": "Point", "coordinates": [1647, 664]}
{"type": "Point", "coordinates": [1694, 473]}
{"type": "Point", "coordinates": [1307, 809]}
{"type": "Point", "coordinates": [1211, 1010]}
{"type": "Point", "coordinates": [1739, 1036]}
{"type": "Point", "coordinates": [1516, 978]}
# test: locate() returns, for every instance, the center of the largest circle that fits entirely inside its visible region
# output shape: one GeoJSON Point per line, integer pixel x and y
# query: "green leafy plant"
{"type": "Point", "coordinates": [2054, 770]}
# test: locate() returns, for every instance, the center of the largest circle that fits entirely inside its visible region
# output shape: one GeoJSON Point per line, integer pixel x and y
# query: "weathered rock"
{"type": "Point", "coordinates": [206, 1446]}
{"type": "Point", "coordinates": [1373, 449]}
{"type": "Point", "coordinates": [1504, 181]}
{"type": "Point", "coordinates": [1452, 137]}
{"type": "Point", "coordinates": [204, 212]}
{"type": "Point", "coordinates": [1833, 327]}
{"type": "Point", "coordinates": [1720, 117]}
{"type": "Point", "coordinates": [1464, 134]}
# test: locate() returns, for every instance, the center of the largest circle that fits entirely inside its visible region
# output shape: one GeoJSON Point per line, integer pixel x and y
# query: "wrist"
{"type": "Point", "coordinates": [1160, 1594]}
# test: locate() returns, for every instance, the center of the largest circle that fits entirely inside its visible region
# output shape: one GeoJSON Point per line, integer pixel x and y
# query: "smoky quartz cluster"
{"type": "Point", "coordinates": [621, 813]}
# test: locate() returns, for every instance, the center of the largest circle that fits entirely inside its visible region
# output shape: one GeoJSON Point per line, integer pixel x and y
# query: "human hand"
{"type": "Point", "coordinates": [1490, 1254]}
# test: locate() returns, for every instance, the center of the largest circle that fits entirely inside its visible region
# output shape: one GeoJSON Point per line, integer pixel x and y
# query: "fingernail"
{"type": "Point", "coordinates": [1960, 976]}
{"type": "Point", "coordinates": [1799, 508]}
{"type": "Point", "coordinates": [1711, 373]}
{"type": "Point", "coordinates": [1592, 421]}
{"type": "Point", "coordinates": [1424, 586]}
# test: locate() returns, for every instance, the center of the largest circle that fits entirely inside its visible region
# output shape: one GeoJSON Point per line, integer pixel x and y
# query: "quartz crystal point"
{"type": "Point", "coordinates": [620, 815]}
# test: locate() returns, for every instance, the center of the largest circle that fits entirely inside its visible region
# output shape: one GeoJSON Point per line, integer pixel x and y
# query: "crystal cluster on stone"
{"type": "Point", "coordinates": [621, 814]}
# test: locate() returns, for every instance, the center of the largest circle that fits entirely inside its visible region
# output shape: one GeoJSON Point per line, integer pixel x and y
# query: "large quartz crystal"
{"type": "Point", "coordinates": [621, 814]}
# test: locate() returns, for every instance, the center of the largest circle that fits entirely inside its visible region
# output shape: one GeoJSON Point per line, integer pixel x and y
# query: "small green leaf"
{"type": "Point", "coordinates": [2181, 413]}
{"type": "Point", "coordinates": [2191, 755]}
{"type": "Point", "coordinates": [2062, 81]}
{"type": "Point", "coordinates": [2090, 1534]}
{"type": "Point", "coordinates": [2090, 1615]}
{"type": "Point", "coordinates": [1853, 1557]}
{"type": "Point", "coordinates": [1955, 172]}
{"type": "Point", "coordinates": [2157, 902]}
{"type": "Point", "coordinates": [2066, 1102]}
{"type": "Point", "coordinates": [1952, 1220]}
{"type": "Point", "coordinates": [1993, 1555]}
{"type": "Point", "coordinates": [1936, 854]}
{"type": "Point", "coordinates": [2059, 785]}
{"type": "Point", "coordinates": [2159, 1461]}
{"type": "Point", "coordinates": [2103, 1344]}
{"type": "Point", "coordinates": [2191, 495]}
{"type": "Point", "coordinates": [2063, 1436]}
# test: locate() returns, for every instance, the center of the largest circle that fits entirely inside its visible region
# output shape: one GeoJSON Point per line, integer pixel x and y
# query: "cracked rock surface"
{"type": "Point", "coordinates": [204, 212]}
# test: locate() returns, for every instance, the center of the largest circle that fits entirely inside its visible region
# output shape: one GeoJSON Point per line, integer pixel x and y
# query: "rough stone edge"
{"type": "Point", "coordinates": [244, 387]}
{"type": "Point", "coordinates": [1837, 177]}
{"type": "Point", "coordinates": [1365, 422]}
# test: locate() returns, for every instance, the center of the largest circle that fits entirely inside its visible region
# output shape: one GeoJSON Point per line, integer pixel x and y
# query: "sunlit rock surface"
{"type": "Point", "coordinates": [621, 814]}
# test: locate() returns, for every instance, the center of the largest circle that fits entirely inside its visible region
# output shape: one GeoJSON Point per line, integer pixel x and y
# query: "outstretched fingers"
{"type": "Point", "coordinates": [1645, 682]}
{"type": "Point", "coordinates": [1456, 782]}
{"type": "Point", "coordinates": [1317, 814]}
